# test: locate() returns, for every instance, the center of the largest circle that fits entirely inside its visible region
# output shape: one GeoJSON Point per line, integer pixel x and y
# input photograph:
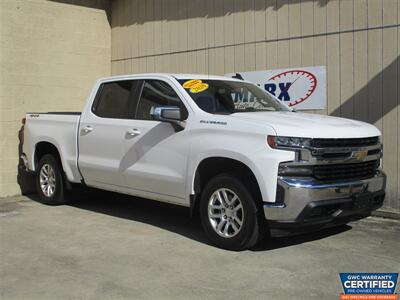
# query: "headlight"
{"type": "Point", "coordinates": [288, 142]}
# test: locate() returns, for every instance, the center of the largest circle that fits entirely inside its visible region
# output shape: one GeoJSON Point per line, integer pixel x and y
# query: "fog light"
{"type": "Point", "coordinates": [289, 170]}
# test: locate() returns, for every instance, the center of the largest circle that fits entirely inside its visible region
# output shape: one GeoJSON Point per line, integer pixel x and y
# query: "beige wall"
{"type": "Point", "coordinates": [50, 54]}
{"type": "Point", "coordinates": [358, 41]}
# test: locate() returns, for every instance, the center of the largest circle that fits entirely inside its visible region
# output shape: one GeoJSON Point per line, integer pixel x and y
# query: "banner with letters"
{"type": "Point", "coordinates": [299, 88]}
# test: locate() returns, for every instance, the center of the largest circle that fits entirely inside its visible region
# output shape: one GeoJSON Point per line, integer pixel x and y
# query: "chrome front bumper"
{"type": "Point", "coordinates": [309, 201]}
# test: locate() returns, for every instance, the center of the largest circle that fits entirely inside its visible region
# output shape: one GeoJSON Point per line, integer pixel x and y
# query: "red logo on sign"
{"type": "Point", "coordinates": [305, 84]}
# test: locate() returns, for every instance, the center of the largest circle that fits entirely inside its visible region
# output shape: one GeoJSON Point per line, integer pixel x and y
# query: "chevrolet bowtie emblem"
{"type": "Point", "coordinates": [360, 155]}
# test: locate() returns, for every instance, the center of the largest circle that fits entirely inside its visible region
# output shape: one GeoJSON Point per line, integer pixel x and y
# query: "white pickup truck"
{"type": "Point", "coordinates": [221, 146]}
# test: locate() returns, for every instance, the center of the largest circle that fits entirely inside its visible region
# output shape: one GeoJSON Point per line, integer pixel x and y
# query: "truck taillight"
{"type": "Point", "coordinates": [21, 132]}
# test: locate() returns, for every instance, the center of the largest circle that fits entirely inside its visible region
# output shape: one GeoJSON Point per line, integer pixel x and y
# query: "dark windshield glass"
{"type": "Point", "coordinates": [227, 97]}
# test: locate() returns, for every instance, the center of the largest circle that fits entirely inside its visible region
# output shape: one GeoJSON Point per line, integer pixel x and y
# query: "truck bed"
{"type": "Point", "coordinates": [59, 129]}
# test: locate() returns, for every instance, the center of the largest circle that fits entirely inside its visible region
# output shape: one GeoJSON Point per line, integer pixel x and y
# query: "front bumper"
{"type": "Point", "coordinates": [307, 203]}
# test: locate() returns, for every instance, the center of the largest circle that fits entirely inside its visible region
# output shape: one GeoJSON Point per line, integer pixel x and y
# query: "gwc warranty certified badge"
{"type": "Point", "coordinates": [376, 286]}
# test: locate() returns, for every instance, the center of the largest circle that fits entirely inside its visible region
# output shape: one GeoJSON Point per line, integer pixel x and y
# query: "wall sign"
{"type": "Point", "coordinates": [299, 88]}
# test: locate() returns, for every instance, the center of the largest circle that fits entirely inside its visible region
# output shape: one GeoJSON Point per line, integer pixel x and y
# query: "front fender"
{"type": "Point", "coordinates": [263, 163]}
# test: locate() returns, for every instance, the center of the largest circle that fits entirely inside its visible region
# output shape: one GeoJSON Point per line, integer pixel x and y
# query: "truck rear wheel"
{"type": "Point", "coordinates": [229, 214]}
{"type": "Point", "coordinates": [50, 181]}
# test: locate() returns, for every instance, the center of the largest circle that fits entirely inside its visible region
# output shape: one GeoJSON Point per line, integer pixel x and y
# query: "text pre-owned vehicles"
{"type": "Point", "coordinates": [221, 146]}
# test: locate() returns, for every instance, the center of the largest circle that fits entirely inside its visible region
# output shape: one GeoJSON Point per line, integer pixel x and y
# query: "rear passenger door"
{"type": "Point", "coordinates": [155, 159]}
{"type": "Point", "coordinates": [103, 131]}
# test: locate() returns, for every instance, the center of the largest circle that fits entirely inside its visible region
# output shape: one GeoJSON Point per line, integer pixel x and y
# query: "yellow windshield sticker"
{"type": "Point", "coordinates": [188, 84]}
{"type": "Point", "coordinates": [198, 88]}
{"type": "Point", "coordinates": [195, 86]}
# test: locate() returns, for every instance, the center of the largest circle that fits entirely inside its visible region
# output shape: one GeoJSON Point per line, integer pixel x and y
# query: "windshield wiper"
{"type": "Point", "coordinates": [248, 109]}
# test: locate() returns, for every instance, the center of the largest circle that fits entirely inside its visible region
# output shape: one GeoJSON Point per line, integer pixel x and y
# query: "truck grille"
{"type": "Point", "coordinates": [345, 171]}
{"type": "Point", "coordinates": [333, 143]}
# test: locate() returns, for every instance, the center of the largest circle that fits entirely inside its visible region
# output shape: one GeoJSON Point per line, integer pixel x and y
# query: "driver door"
{"type": "Point", "coordinates": [155, 158]}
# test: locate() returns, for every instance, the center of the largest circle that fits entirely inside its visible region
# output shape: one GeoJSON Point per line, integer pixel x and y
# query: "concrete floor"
{"type": "Point", "coordinates": [106, 246]}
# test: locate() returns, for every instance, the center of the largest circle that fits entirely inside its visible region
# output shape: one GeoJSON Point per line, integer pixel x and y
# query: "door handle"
{"type": "Point", "coordinates": [133, 132]}
{"type": "Point", "coordinates": [87, 129]}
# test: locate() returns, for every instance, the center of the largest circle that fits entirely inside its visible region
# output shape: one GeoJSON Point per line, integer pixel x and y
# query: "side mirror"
{"type": "Point", "coordinates": [169, 114]}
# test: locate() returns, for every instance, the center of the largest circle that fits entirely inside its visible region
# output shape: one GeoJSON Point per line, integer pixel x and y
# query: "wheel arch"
{"type": "Point", "coordinates": [42, 148]}
{"type": "Point", "coordinates": [209, 167]}
{"type": "Point", "coordinates": [45, 147]}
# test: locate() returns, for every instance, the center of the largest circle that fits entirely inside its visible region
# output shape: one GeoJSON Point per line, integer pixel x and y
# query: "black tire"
{"type": "Point", "coordinates": [252, 229]}
{"type": "Point", "coordinates": [59, 195]}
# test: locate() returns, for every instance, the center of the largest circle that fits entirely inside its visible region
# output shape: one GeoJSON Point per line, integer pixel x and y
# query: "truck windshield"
{"type": "Point", "coordinates": [228, 97]}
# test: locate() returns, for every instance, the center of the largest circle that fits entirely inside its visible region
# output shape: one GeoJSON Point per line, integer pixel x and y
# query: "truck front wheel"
{"type": "Point", "coordinates": [229, 214]}
{"type": "Point", "coordinates": [49, 181]}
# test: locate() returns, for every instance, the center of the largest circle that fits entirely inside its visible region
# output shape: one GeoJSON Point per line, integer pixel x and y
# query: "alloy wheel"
{"type": "Point", "coordinates": [47, 180]}
{"type": "Point", "coordinates": [225, 212]}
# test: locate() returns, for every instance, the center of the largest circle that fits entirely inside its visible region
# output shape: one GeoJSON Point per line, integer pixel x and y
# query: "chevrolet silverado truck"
{"type": "Point", "coordinates": [223, 147]}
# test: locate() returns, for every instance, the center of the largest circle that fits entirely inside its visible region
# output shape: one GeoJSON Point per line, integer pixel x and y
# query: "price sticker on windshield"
{"type": "Point", "coordinates": [195, 86]}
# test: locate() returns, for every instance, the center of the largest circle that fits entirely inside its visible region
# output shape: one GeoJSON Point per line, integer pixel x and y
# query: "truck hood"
{"type": "Point", "coordinates": [310, 125]}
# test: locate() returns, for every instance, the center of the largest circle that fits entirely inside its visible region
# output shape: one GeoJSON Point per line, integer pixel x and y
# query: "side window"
{"type": "Point", "coordinates": [114, 99]}
{"type": "Point", "coordinates": [157, 93]}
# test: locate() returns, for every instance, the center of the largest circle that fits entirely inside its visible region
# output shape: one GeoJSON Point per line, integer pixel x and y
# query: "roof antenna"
{"type": "Point", "coordinates": [238, 76]}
